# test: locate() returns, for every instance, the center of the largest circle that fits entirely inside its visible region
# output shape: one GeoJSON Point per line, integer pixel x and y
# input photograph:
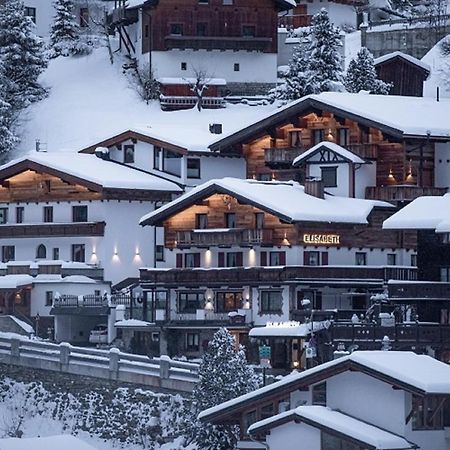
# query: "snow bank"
{"type": "Point", "coordinates": [66, 442]}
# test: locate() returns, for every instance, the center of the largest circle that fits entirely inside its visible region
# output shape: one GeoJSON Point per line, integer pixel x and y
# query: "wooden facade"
{"type": "Point", "coordinates": [406, 78]}
{"type": "Point", "coordinates": [210, 25]}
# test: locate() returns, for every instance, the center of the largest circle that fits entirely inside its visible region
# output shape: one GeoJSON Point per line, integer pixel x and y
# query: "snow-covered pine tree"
{"type": "Point", "coordinates": [7, 138]}
{"type": "Point", "coordinates": [325, 69]}
{"type": "Point", "coordinates": [65, 32]}
{"type": "Point", "coordinates": [22, 54]}
{"type": "Point", "coordinates": [224, 375]}
{"type": "Point", "coordinates": [362, 76]}
{"type": "Point", "coordinates": [295, 84]}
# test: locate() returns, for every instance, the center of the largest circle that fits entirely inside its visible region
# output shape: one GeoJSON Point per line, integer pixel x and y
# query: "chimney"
{"type": "Point", "coordinates": [315, 188]}
{"type": "Point", "coordinates": [215, 128]}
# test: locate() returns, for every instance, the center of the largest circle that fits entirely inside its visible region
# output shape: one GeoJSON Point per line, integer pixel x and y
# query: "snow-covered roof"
{"type": "Point", "coordinates": [77, 279]}
{"type": "Point", "coordinates": [288, 329]}
{"type": "Point", "coordinates": [181, 80]}
{"type": "Point", "coordinates": [335, 148]}
{"type": "Point", "coordinates": [25, 326]}
{"type": "Point", "coordinates": [432, 213]}
{"type": "Point", "coordinates": [66, 441]}
{"type": "Point", "coordinates": [406, 57]}
{"type": "Point", "coordinates": [297, 206]}
{"type": "Point", "coordinates": [106, 174]}
{"type": "Point", "coordinates": [15, 281]}
{"type": "Point", "coordinates": [323, 417]}
{"type": "Point", "coordinates": [132, 323]}
{"type": "Point", "coordinates": [414, 372]}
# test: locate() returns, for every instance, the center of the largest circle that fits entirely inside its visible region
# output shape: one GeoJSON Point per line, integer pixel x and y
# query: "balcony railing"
{"type": "Point", "coordinates": [401, 192]}
{"type": "Point", "coordinates": [204, 315]}
{"type": "Point", "coordinates": [173, 101]}
{"type": "Point", "coordinates": [281, 157]}
{"type": "Point", "coordinates": [249, 43]}
{"type": "Point", "coordinates": [80, 301]}
{"type": "Point", "coordinates": [52, 230]}
{"type": "Point", "coordinates": [275, 275]}
{"type": "Point", "coordinates": [223, 237]}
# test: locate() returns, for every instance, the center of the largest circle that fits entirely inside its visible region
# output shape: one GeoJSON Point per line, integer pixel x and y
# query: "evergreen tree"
{"type": "Point", "coordinates": [7, 138]}
{"type": "Point", "coordinates": [223, 375]}
{"type": "Point", "coordinates": [21, 52]}
{"type": "Point", "coordinates": [295, 84]}
{"type": "Point", "coordinates": [325, 69]}
{"type": "Point", "coordinates": [65, 32]}
{"type": "Point", "coordinates": [361, 75]}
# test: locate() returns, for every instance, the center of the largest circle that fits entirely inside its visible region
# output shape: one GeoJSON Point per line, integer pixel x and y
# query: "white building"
{"type": "Point", "coordinates": [376, 400]}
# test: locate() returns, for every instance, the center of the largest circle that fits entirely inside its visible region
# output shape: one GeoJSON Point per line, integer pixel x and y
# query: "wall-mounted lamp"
{"type": "Point", "coordinates": [329, 136]}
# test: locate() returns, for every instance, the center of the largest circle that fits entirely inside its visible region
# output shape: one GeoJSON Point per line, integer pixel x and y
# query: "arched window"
{"type": "Point", "coordinates": [41, 252]}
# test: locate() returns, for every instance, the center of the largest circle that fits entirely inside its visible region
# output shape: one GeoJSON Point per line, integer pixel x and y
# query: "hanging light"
{"type": "Point", "coordinates": [330, 136]}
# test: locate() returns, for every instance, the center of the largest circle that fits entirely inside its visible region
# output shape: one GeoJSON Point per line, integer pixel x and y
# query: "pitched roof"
{"type": "Point", "coordinates": [406, 57]}
{"type": "Point", "coordinates": [90, 169]}
{"type": "Point", "coordinates": [296, 205]}
{"type": "Point", "coordinates": [415, 373]}
{"type": "Point", "coordinates": [283, 4]}
{"type": "Point", "coordinates": [335, 422]}
{"type": "Point", "coordinates": [347, 155]}
{"type": "Point", "coordinates": [432, 213]}
{"type": "Point", "coordinates": [398, 116]}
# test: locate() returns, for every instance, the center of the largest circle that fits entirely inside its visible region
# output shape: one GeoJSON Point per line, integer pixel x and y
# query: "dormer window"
{"type": "Point", "coordinates": [128, 154]}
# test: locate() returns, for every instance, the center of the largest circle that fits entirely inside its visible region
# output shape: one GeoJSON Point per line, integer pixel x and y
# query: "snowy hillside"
{"type": "Point", "coordinates": [90, 100]}
{"type": "Point", "coordinates": [439, 73]}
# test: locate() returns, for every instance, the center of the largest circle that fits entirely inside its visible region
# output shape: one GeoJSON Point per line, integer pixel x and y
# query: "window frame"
{"type": "Point", "coordinates": [362, 255]}
{"type": "Point", "coordinates": [47, 213]}
{"type": "Point", "coordinates": [191, 305]}
{"type": "Point", "coordinates": [8, 253]}
{"type": "Point", "coordinates": [192, 341]}
{"type": "Point", "coordinates": [330, 171]}
{"type": "Point", "coordinates": [48, 298]}
{"type": "Point", "coordinates": [3, 216]}
{"type": "Point", "coordinates": [76, 213]}
{"type": "Point", "coordinates": [228, 301]}
{"type": "Point", "coordinates": [129, 154]}
{"type": "Point", "coordinates": [201, 221]}
{"type": "Point", "coordinates": [266, 300]}
{"type": "Point", "coordinates": [81, 249]}
{"type": "Point", "coordinates": [20, 213]}
{"type": "Point", "coordinates": [195, 172]}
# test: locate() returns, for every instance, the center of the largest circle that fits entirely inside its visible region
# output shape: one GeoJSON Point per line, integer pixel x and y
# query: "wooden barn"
{"type": "Point", "coordinates": [406, 73]}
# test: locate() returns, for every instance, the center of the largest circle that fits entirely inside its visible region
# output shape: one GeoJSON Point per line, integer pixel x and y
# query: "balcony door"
{"type": "Point", "coordinates": [228, 301]}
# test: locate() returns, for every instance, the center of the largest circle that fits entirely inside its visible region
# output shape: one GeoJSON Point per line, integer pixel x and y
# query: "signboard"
{"type": "Point", "coordinates": [321, 239]}
{"type": "Point", "coordinates": [265, 352]}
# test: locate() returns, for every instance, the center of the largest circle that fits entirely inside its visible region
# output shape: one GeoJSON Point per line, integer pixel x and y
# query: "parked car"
{"type": "Point", "coordinates": [99, 334]}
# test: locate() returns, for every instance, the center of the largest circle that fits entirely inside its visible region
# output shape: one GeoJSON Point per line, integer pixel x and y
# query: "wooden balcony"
{"type": "Point", "coordinates": [224, 237]}
{"type": "Point", "coordinates": [419, 291]}
{"type": "Point", "coordinates": [52, 230]}
{"type": "Point", "coordinates": [276, 275]}
{"type": "Point", "coordinates": [401, 193]}
{"type": "Point", "coordinates": [400, 335]}
{"type": "Point", "coordinates": [217, 43]}
{"type": "Point", "coordinates": [278, 158]}
{"type": "Point", "coordinates": [206, 317]}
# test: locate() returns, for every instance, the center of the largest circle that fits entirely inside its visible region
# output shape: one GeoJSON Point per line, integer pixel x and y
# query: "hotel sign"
{"type": "Point", "coordinates": [321, 239]}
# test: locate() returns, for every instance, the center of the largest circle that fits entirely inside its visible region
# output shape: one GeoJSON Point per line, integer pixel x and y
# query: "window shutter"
{"type": "Point", "coordinates": [283, 258]}
{"type": "Point", "coordinates": [306, 258]}
{"type": "Point", "coordinates": [263, 258]}
{"type": "Point", "coordinates": [179, 260]}
{"type": "Point", "coordinates": [196, 259]}
{"type": "Point", "coordinates": [239, 259]}
{"type": "Point", "coordinates": [324, 258]}
{"type": "Point", "coordinates": [221, 259]}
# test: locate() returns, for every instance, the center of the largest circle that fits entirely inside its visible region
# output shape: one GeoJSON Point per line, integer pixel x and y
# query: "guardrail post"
{"type": "Point", "coordinates": [64, 355]}
{"type": "Point", "coordinates": [114, 355]}
{"type": "Point", "coordinates": [164, 367]}
{"type": "Point", "coordinates": [15, 348]}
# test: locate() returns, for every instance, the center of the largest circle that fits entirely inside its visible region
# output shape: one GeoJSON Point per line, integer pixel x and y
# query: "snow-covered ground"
{"type": "Point", "coordinates": [90, 99]}
{"type": "Point", "coordinates": [440, 73]}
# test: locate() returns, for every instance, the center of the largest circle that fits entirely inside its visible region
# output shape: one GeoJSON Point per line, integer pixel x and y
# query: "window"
{"type": "Point", "coordinates": [41, 252]}
{"type": "Point", "coordinates": [259, 220]}
{"type": "Point", "coordinates": [318, 136]}
{"type": "Point", "coordinates": [230, 220]}
{"type": "Point", "coordinates": [79, 213]}
{"type": "Point", "coordinates": [84, 17]}
{"type": "Point", "coordinates": [314, 297]}
{"type": "Point", "coordinates": [414, 260]}
{"type": "Point", "coordinates": [277, 258]}
{"type": "Point", "coordinates": [183, 66]}
{"type": "Point", "coordinates": [128, 154]}
{"type": "Point", "coordinates": [201, 221]}
{"type": "Point", "coordinates": [176, 29]}
{"type": "Point", "coordinates": [78, 252]}
{"type": "Point", "coordinates": [234, 259]}
{"type": "Point", "coordinates": [146, 31]}
{"type": "Point", "coordinates": [295, 138]}
{"type": "Point", "coordinates": [267, 411]}
{"type": "Point", "coordinates": [171, 162]}
{"type": "Point", "coordinates": [365, 134]}
{"type": "Point", "coordinates": [227, 2]}
{"type": "Point", "coordinates": [202, 29]}
{"type": "Point", "coordinates": [264, 177]}
{"type": "Point", "coordinates": [3, 215]}
{"type": "Point", "coordinates": [329, 176]}
{"type": "Point", "coordinates": [331, 442]}
{"type": "Point", "coordinates": [312, 258]}
{"type": "Point", "coordinates": [271, 302]}
{"type": "Point", "coordinates": [319, 394]}
{"type": "Point", "coordinates": [193, 342]}
{"type": "Point", "coordinates": [361, 258]}
{"type": "Point", "coordinates": [250, 418]}
{"type": "Point", "coordinates": [8, 253]}
{"type": "Point", "coordinates": [55, 253]}
{"type": "Point", "coordinates": [157, 154]}
{"type": "Point", "coordinates": [426, 415]}
{"type": "Point", "coordinates": [236, 67]}
{"type": "Point", "coordinates": [31, 13]}
{"type": "Point", "coordinates": [159, 253]}
{"type": "Point", "coordinates": [203, 2]}
{"type": "Point", "coordinates": [191, 260]}
{"type": "Point", "coordinates": [343, 136]}
{"type": "Point", "coordinates": [20, 210]}
{"type": "Point", "coordinates": [228, 301]}
{"type": "Point", "coordinates": [48, 213]}
{"type": "Point", "coordinates": [193, 168]}
{"type": "Point", "coordinates": [391, 259]}
{"type": "Point", "coordinates": [248, 30]}
{"type": "Point", "coordinates": [189, 302]}
{"type": "Point", "coordinates": [48, 298]}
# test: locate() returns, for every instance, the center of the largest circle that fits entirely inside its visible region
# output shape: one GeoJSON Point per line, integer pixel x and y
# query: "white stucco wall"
{"type": "Point", "coordinates": [293, 436]}
{"type": "Point", "coordinates": [442, 165]}
{"type": "Point", "coordinates": [44, 15]}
